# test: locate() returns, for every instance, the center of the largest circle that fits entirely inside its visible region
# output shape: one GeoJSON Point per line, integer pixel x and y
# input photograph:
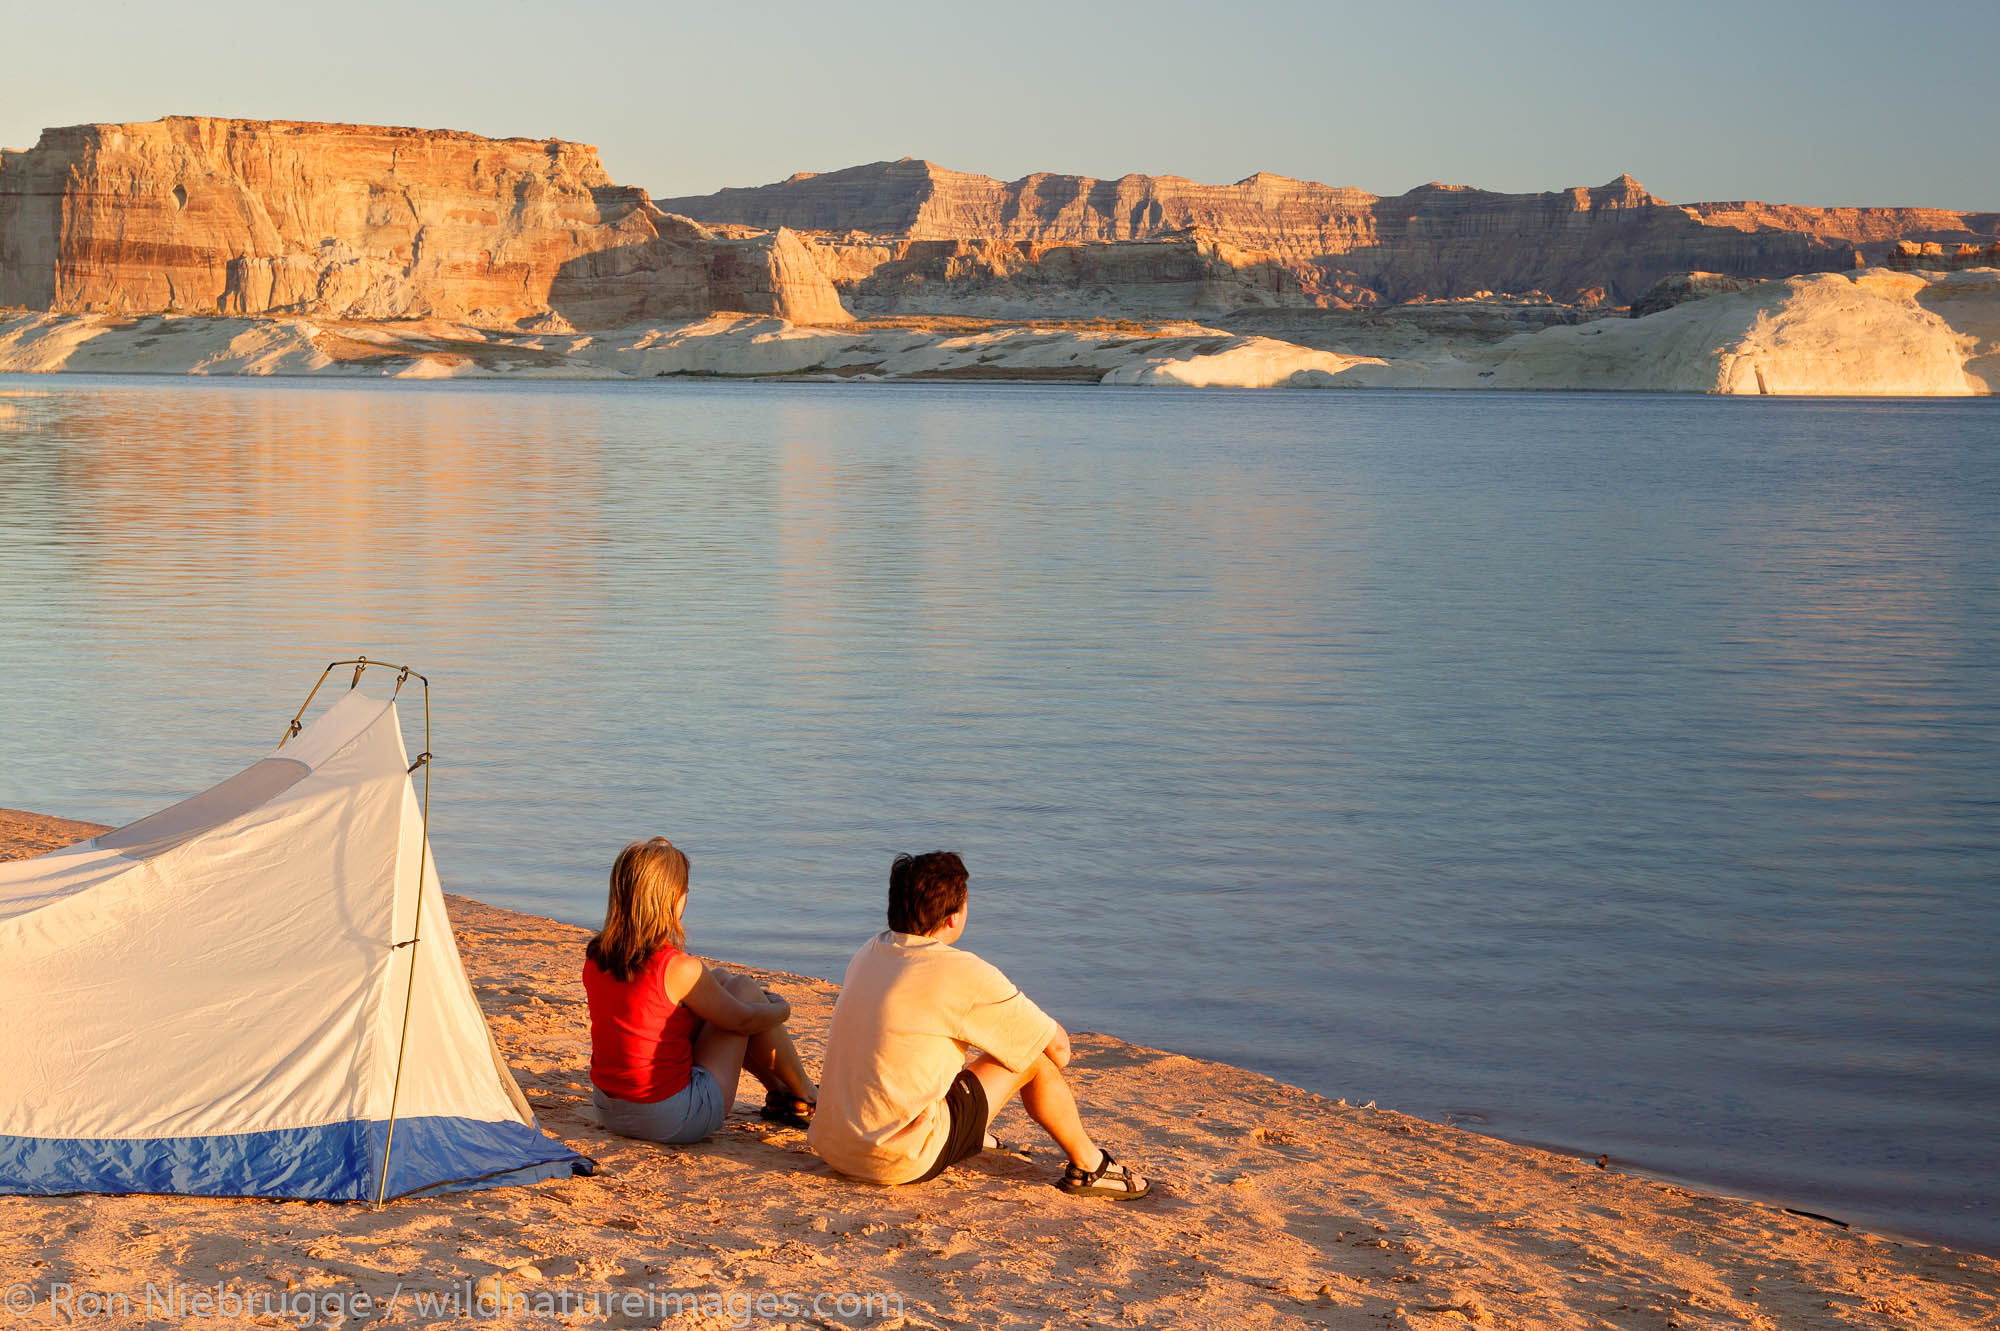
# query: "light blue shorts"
{"type": "Point", "coordinates": [688, 1115]}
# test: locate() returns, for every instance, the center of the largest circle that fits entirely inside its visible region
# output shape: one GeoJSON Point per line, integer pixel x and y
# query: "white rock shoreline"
{"type": "Point", "coordinates": [1872, 332]}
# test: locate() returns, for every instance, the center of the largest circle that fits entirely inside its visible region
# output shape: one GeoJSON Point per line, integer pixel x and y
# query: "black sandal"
{"type": "Point", "coordinates": [1109, 1179]}
{"type": "Point", "coordinates": [791, 1110]}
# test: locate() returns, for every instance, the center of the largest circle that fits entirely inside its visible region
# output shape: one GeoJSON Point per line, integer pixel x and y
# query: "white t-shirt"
{"type": "Point", "coordinates": [910, 1008]}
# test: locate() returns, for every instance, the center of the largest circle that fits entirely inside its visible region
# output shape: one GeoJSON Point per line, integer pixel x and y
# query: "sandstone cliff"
{"type": "Point", "coordinates": [1602, 246]}
{"type": "Point", "coordinates": [201, 215]}
{"type": "Point", "coordinates": [1181, 272]}
{"type": "Point", "coordinates": [1912, 257]}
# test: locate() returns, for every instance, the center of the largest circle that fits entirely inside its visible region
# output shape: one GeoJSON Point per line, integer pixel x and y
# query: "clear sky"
{"type": "Point", "coordinates": [1831, 102]}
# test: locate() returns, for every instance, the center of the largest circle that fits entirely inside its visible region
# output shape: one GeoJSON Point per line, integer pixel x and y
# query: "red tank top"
{"type": "Point", "coordinates": [641, 1042]}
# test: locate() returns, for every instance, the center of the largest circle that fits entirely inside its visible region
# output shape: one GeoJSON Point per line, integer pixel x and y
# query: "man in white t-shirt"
{"type": "Point", "coordinates": [899, 1102]}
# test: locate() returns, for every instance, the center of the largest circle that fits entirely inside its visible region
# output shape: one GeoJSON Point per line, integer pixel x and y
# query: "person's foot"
{"type": "Point", "coordinates": [1110, 1180]}
{"type": "Point", "coordinates": [794, 1111]}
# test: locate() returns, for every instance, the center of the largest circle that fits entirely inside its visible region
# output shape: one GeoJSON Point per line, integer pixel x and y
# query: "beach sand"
{"type": "Point", "coordinates": [1273, 1207]}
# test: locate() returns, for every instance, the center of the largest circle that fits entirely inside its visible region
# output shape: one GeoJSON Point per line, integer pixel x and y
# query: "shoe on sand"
{"type": "Point", "coordinates": [791, 1110]}
{"type": "Point", "coordinates": [1110, 1179]}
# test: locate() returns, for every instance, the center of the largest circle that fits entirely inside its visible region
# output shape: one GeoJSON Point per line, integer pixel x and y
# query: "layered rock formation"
{"type": "Point", "coordinates": [1186, 271]}
{"type": "Point", "coordinates": [336, 231]}
{"type": "Point", "coordinates": [1912, 257]}
{"type": "Point", "coordinates": [1680, 288]}
{"type": "Point", "coordinates": [200, 215]}
{"type": "Point", "coordinates": [1592, 247]}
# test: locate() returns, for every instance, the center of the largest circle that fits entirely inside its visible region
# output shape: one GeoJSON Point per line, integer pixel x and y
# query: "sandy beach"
{"type": "Point", "coordinates": [1274, 1207]}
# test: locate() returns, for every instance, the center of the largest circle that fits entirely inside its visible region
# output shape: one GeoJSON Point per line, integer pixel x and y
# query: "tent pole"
{"type": "Point", "coordinates": [416, 932]}
{"type": "Point", "coordinates": [360, 664]}
{"type": "Point", "coordinates": [294, 727]}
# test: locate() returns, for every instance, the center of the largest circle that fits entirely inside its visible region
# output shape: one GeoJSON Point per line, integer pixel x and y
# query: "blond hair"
{"type": "Point", "coordinates": [648, 887]}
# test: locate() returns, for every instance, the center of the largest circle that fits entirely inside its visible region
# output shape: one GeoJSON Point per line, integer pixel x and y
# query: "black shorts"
{"type": "Point", "coordinates": [966, 1103]}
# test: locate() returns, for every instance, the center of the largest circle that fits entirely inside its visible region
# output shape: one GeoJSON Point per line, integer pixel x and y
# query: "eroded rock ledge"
{"type": "Point", "coordinates": [1871, 332]}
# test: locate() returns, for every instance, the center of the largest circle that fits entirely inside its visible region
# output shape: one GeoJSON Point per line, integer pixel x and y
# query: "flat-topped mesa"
{"type": "Point", "coordinates": [1603, 245]}
{"type": "Point", "coordinates": [194, 214]}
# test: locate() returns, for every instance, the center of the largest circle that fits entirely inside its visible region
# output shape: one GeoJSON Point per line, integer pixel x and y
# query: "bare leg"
{"type": "Point", "coordinates": [721, 1052]}
{"type": "Point", "coordinates": [772, 1058]}
{"type": "Point", "coordinates": [1047, 1098]}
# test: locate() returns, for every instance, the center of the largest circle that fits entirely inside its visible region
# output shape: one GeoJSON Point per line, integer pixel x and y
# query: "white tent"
{"type": "Point", "coordinates": [218, 998]}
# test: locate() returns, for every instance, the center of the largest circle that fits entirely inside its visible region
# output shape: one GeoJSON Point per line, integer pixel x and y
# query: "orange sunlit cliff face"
{"type": "Point", "coordinates": [207, 216]}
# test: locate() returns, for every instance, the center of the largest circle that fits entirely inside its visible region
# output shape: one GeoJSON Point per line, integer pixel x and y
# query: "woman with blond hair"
{"type": "Point", "coordinates": [669, 1036]}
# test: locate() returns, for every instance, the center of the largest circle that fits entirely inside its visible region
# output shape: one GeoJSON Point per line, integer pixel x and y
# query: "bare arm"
{"type": "Point", "coordinates": [695, 987]}
{"type": "Point", "coordinates": [992, 1014]}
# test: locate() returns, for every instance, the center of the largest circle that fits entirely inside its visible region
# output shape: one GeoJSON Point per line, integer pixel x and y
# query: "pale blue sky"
{"type": "Point", "coordinates": [1837, 102]}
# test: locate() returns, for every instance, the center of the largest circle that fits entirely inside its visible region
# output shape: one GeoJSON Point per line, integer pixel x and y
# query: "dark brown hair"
{"type": "Point", "coordinates": [925, 891]}
{"type": "Point", "coordinates": [649, 883]}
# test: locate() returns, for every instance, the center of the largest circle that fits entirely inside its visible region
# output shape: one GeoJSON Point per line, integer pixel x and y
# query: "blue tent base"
{"type": "Point", "coordinates": [333, 1162]}
{"type": "Point", "coordinates": [507, 1179]}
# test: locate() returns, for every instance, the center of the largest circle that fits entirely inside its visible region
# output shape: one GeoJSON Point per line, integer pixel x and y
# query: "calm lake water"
{"type": "Point", "coordinates": [1612, 772]}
